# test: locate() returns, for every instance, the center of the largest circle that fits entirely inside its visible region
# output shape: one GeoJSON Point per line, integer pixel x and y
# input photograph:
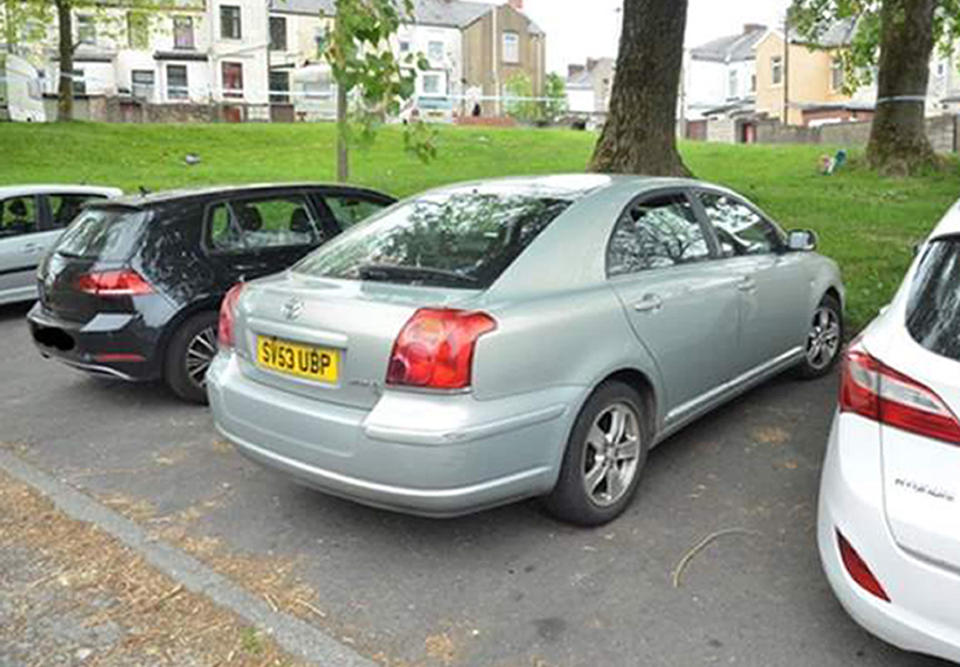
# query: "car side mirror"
{"type": "Point", "coordinates": [802, 240]}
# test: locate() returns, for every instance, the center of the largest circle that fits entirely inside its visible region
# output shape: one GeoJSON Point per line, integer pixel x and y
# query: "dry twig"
{"type": "Point", "coordinates": [687, 557]}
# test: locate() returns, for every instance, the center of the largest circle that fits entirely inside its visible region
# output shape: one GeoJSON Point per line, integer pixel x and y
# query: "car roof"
{"type": "Point", "coordinates": [53, 188]}
{"type": "Point", "coordinates": [949, 224]}
{"type": "Point", "coordinates": [161, 197]}
{"type": "Point", "coordinates": [569, 186]}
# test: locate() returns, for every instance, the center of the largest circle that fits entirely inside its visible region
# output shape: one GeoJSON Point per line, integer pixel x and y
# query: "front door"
{"type": "Point", "coordinates": [773, 285]}
{"type": "Point", "coordinates": [680, 308]}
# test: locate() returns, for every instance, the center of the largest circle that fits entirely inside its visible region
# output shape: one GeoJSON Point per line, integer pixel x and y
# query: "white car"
{"type": "Point", "coordinates": [31, 219]}
{"type": "Point", "coordinates": [889, 515]}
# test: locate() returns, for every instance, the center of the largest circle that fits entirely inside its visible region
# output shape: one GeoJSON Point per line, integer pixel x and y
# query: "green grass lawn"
{"type": "Point", "coordinates": [867, 223]}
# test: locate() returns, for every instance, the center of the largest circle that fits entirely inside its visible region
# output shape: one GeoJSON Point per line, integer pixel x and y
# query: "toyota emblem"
{"type": "Point", "coordinates": [292, 308]}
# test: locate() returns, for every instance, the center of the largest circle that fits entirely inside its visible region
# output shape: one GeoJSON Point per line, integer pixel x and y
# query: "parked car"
{"type": "Point", "coordinates": [889, 518]}
{"type": "Point", "coordinates": [492, 341]}
{"type": "Point", "coordinates": [31, 219]}
{"type": "Point", "coordinates": [132, 288]}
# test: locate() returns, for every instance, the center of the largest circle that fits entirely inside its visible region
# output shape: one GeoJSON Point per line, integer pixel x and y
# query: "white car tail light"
{"type": "Point", "coordinates": [874, 390]}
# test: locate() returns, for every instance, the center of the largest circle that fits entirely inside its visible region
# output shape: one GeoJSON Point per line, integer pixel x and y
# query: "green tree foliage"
{"type": "Point", "coordinates": [519, 105]}
{"type": "Point", "coordinates": [555, 90]}
{"type": "Point", "coordinates": [370, 77]}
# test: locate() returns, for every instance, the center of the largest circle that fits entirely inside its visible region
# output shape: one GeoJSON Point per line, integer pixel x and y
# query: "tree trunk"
{"type": "Point", "coordinates": [639, 136]}
{"type": "Point", "coordinates": [65, 85]}
{"type": "Point", "coordinates": [343, 157]}
{"type": "Point", "coordinates": [898, 139]}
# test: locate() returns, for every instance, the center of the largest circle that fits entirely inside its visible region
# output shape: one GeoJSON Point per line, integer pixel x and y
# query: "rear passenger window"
{"type": "Point", "coordinates": [64, 208]}
{"type": "Point", "coordinates": [655, 234]}
{"type": "Point", "coordinates": [740, 229]}
{"type": "Point", "coordinates": [349, 210]}
{"type": "Point", "coordinates": [933, 310]}
{"type": "Point", "coordinates": [18, 215]}
{"type": "Point", "coordinates": [248, 225]}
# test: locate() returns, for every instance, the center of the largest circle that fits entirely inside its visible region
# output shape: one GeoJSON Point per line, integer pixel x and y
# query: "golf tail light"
{"type": "Point", "coordinates": [858, 570]}
{"type": "Point", "coordinates": [125, 282]}
{"type": "Point", "coordinates": [871, 389]}
{"type": "Point", "coordinates": [435, 348]}
{"type": "Point", "coordinates": [228, 309]}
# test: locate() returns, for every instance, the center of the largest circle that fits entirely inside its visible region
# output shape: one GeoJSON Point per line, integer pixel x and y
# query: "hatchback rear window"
{"type": "Point", "coordinates": [107, 234]}
{"type": "Point", "coordinates": [933, 310]}
{"type": "Point", "coordinates": [461, 239]}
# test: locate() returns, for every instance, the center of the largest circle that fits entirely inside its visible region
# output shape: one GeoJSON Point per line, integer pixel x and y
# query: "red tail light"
{"type": "Point", "coordinates": [858, 570]}
{"type": "Point", "coordinates": [876, 391]}
{"type": "Point", "coordinates": [227, 313]}
{"type": "Point", "coordinates": [125, 282]}
{"type": "Point", "coordinates": [435, 348]}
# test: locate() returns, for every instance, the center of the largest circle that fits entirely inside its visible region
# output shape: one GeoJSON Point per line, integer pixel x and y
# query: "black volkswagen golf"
{"type": "Point", "coordinates": [133, 286]}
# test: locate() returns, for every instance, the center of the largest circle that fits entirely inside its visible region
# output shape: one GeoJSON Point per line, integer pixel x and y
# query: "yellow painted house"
{"type": "Point", "coordinates": [804, 85]}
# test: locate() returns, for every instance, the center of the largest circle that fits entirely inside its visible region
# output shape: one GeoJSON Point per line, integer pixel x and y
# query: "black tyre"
{"type": "Point", "coordinates": [189, 354]}
{"type": "Point", "coordinates": [604, 457]}
{"type": "Point", "coordinates": [824, 340]}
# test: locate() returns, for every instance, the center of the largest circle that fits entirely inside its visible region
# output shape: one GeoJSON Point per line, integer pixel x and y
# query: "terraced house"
{"type": "Point", "coordinates": [256, 60]}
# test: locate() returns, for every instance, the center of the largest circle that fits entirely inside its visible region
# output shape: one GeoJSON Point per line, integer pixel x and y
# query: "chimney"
{"type": "Point", "coordinates": [516, 4]}
{"type": "Point", "coordinates": [753, 27]}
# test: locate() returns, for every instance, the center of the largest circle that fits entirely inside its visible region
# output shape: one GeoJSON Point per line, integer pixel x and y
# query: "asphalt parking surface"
{"type": "Point", "coordinates": [505, 587]}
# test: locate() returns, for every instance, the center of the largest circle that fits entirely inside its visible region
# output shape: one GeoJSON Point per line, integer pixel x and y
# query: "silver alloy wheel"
{"type": "Point", "coordinates": [200, 352]}
{"type": "Point", "coordinates": [612, 454]}
{"type": "Point", "coordinates": [823, 341]}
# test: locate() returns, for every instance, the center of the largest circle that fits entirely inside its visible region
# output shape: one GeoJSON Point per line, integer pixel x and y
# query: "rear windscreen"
{"type": "Point", "coordinates": [461, 239]}
{"type": "Point", "coordinates": [933, 311]}
{"type": "Point", "coordinates": [107, 234]}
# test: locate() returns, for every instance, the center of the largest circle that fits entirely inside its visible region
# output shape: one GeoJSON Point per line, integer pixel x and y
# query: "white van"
{"type": "Point", "coordinates": [21, 97]}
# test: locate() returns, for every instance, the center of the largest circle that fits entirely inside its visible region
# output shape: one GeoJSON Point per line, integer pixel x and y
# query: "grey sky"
{"type": "Point", "coordinates": [577, 29]}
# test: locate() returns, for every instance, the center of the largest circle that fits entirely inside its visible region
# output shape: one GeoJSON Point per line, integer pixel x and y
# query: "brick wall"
{"type": "Point", "coordinates": [942, 131]}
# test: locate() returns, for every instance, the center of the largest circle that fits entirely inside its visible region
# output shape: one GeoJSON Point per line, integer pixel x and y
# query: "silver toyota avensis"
{"type": "Point", "coordinates": [491, 341]}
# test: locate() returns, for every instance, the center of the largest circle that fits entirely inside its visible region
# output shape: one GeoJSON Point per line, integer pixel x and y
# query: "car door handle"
{"type": "Point", "coordinates": [649, 303]}
{"type": "Point", "coordinates": [31, 248]}
{"type": "Point", "coordinates": [747, 284]}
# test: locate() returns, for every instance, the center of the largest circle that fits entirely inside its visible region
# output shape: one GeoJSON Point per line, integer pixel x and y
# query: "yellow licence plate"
{"type": "Point", "coordinates": [306, 361]}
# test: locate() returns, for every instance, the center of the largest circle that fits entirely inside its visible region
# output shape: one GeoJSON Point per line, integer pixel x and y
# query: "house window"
{"type": "Point", "coordinates": [230, 22]}
{"type": "Point", "coordinates": [435, 51]}
{"type": "Point", "coordinates": [511, 47]}
{"type": "Point", "coordinates": [279, 87]}
{"type": "Point", "coordinates": [232, 79]}
{"type": "Point", "coordinates": [733, 83]}
{"type": "Point", "coordinates": [776, 70]}
{"type": "Point", "coordinates": [431, 84]}
{"type": "Point", "coordinates": [138, 30]}
{"type": "Point", "coordinates": [753, 83]}
{"type": "Point", "coordinates": [183, 32]}
{"type": "Point", "coordinates": [86, 29]}
{"type": "Point", "coordinates": [404, 46]}
{"type": "Point", "coordinates": [836, 74]}
{"type": "Point", "coordinates": [278, 33]}
{"type": "Point", "coordinates": [142, 83]}
{"type": "Point", "coordinates": [177, 82]}
{"type": "Point", "coordinates": [79, 82]}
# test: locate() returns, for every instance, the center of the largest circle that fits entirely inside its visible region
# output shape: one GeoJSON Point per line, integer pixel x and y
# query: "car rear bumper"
{"type": "Point", "coordinates": [113, 344]}
{"type": "Point", "coordinates": [468, 456]}
{"type": "Point", "coordinates": [921, 615]}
